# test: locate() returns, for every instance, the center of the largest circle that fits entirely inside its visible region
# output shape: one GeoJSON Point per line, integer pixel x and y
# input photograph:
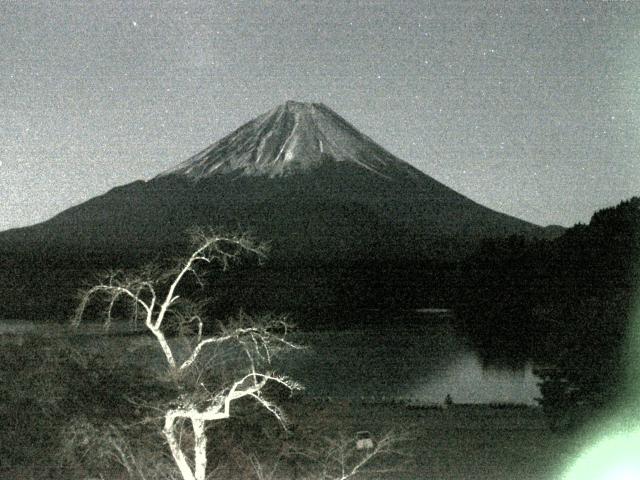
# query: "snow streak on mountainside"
{"type": "Point", "coordinates": [292, 137]}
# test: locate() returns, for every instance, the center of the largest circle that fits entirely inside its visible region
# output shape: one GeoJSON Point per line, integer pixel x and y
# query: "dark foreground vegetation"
{"type": "Point", "coordinates": [73, 408]}
{"type": "Point", "coordinates": [112, 397]}
{"type": "Point", "coordinates": [93, 406]}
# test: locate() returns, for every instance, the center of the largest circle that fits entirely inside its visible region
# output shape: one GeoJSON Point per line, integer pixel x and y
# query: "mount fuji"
{"type": "Point", "coordinates": [293, 138]}
{"type": "Point", "coordinates": [300, 177]}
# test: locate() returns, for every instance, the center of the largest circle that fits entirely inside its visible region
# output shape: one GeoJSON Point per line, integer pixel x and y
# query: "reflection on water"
{"type": "Point", "coordinates": [422, 361]}
{"type": "Point", "coordinates": [467, 380]}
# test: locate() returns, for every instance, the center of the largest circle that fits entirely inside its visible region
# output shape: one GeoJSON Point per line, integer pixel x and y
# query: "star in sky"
{"type": "Point", "coordinates": [460, 87]}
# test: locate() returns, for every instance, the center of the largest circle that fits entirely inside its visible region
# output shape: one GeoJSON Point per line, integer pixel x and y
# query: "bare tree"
{"type": "Point", "coordinates": [154, 294]}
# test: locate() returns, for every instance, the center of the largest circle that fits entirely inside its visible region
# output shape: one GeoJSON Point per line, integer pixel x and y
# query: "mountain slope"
{"type": "Point", "coordinates": [300, 157]}
{"type": "Point", "coordinates": [292, 138]}
{"type": "Point", "coordinates": [299, 176]}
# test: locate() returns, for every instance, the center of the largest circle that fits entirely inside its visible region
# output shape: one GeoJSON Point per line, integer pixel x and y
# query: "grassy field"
{"type": "Point", "coordinates": [474, 442]}
{"type": "Point", "coordinates": [460, 442]}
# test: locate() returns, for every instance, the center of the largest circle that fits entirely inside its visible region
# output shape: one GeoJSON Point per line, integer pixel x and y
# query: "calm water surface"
{"type": "Point", "coordinates": [423, 363]}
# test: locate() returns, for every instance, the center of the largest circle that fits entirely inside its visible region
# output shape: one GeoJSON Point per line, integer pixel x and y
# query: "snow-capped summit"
{"type": "Point", "coordinates": [345, 220]}
{"type": "Point", "coordinates": [291, 138]}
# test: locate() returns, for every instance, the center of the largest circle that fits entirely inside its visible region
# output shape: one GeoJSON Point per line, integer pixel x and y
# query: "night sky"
{"type": "Point", "coordinates": [530, 108]}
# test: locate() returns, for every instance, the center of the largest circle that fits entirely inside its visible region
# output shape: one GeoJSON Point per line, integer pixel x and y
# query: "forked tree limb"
{"type": "Point", "coordinates": [144, 290]}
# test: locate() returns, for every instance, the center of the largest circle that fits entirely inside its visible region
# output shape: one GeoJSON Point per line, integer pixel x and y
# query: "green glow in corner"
{"type": "Point", "coordinates": [615, 457]}
{"type": "Point", "coordinates": [615, 452]}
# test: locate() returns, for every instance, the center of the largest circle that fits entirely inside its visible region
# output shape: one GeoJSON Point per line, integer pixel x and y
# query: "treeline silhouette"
{"type": "Point", "coordinates": [565, 303]}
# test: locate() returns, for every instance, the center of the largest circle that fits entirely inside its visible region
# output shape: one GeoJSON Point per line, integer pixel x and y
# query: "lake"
{"type": "Point", "coordinates": [421, 361]}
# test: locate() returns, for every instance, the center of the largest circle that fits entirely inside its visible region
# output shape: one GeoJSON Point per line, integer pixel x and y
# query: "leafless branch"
{"type": "Point", "coordinates": [156, 292]}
